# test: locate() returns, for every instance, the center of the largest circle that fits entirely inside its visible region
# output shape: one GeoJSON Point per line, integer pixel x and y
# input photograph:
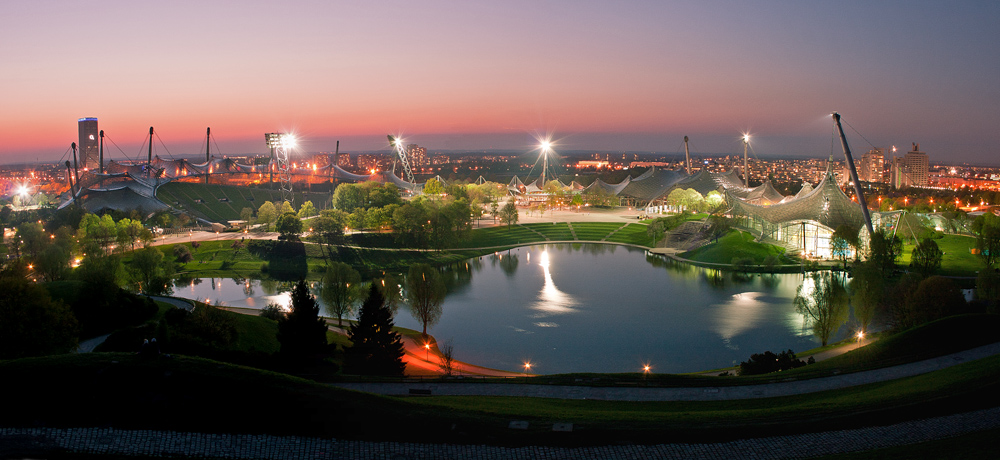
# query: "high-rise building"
{"type": "Point", "coordinates": [416, 155]}
{"type": "Point", "coordinates": [917, 166]}
{"type": "Point", "coordinates": [873, 165]}
{"type": "Point", "coordinates": [912, 170]}
{"type": "Point", "coordinates": [90, 155]}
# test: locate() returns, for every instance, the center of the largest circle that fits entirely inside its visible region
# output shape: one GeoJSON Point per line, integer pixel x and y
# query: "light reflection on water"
{"type": "Point", "coordinates": [589, 308]}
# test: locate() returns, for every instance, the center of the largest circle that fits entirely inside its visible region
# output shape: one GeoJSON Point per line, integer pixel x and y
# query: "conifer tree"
{"type": "Point", "coordinates": [302, 333]}
{"type": "Point", "coordinates": [375, 349]}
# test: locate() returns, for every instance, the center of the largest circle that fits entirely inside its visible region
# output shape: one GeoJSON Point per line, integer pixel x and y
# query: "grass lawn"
{"type": "Point", "coordinates": [736, 244]}
{"type": "Point", "coordinates": [553, 231]}
{"type": "Point", "coordinates": [632, 234]}
{"type": "Point", "coordinates": [957, 260]}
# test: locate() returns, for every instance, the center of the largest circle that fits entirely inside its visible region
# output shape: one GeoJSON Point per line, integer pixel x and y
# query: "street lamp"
{"type": "Point", "coordinates": [427, 350]}
{"type": "Point", "coordinates": [527, 368]}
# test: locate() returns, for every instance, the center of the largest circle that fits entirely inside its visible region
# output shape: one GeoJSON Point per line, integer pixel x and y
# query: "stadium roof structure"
{"type": "Point", "coordinates": [613, 189]}
{"type": "Point", "coordinates": [652, 184]}
{"type": "Point", "coordinates": [764, 195]}
{"type": "Point", "coordinates": [825, 205]}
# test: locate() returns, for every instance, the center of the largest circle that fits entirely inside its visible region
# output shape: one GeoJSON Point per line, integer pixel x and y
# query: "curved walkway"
{"type": "Point", "coordinates": [767, 390]}
{"type": "Point", "coordinates": [40, 442]}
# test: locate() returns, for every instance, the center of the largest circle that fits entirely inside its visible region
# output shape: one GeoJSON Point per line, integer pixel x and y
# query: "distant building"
{"type": "Point", "coordinates": [90, 155]}
{"type": "Point", "coordinates": [912, 170]}
{"type": "Point", "coordinates": [873, 165]}
{"type": "Point", "coordinates": [416, 155]}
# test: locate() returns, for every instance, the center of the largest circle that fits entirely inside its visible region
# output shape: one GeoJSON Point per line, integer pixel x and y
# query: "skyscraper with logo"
{"type": "Point", "coordinates": [89, 148]}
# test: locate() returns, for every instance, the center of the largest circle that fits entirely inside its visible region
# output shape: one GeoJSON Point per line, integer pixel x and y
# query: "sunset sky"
{"type": "Point", "coordinates": [594, 75]}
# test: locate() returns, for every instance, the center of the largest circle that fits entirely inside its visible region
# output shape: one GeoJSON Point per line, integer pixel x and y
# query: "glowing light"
{"type": "Point", "coordinates": [746, 138]}
{"type": "Point", "coordinates": [861, 335]}
{"type": "Point", "coordinates": [645, 368]}
{"type": "Point", "coordinates": [527, 366]}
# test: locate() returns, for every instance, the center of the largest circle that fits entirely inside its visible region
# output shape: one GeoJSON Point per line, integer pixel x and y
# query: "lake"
{"type": "Point", "coordinates": [588, 308]}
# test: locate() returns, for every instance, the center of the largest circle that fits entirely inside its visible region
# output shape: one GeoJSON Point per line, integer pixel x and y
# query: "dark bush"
{"type": "Point", "coordinates": [768, 362]}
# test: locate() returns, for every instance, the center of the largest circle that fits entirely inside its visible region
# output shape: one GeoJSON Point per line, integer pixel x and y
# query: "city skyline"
{"type": "Point", "coordinates": [449, 76]}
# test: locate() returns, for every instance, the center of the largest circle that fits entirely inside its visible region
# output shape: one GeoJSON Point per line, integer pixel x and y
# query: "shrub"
{"type": "Point", "coordinates": [768, 362]}
{"type": "Point", "coordinates": [272, 311]}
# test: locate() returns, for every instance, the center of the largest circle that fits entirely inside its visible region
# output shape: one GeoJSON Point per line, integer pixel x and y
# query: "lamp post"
{"type": "Point", "coordinates": [427, 351]}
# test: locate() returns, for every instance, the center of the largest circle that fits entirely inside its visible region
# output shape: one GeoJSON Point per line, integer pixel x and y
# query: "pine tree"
{"type": "Point", "coordinates": [302, 333]}
{"type": "Point", "coordinates": [375, 349]}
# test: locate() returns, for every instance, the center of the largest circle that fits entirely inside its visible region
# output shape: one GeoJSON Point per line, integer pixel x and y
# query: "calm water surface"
{"type": "Point", "coordinates": [589, 308]}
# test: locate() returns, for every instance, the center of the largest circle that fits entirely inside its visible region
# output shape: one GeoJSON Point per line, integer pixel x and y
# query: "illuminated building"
{"type": "Point", "coordinates": [88, 144]}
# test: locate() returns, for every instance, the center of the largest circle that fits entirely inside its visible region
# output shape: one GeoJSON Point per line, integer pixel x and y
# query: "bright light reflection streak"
{"type": "Point", "coordinates": [552, 301]}
{"type": "Point", "coordinates": [739, 314]}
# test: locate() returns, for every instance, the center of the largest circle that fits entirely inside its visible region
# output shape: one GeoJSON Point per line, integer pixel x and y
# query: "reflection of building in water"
{"type": "Point", "coordinates": [552, 301]}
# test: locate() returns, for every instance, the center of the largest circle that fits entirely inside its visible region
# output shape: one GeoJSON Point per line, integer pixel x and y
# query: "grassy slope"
{"type": "Point", "coordinates": [957, 260]}
{"type": "Point", "coordinates": [735, 244]}
{"type": "Point", "coordinates": [192, 394]}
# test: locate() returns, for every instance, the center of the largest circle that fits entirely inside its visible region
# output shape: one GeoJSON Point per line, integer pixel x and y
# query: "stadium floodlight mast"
{"type": "Point", "coordinates": [280, 144]}
{"type": "Point", "coordinates": [397, 145]}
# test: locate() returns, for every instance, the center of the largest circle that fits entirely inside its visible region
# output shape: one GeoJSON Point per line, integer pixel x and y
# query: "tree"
{"type": "Point", "coordinates": [718, 226]}
{"type": "Point", "coordinates": [53, 262]}
{"type": "Point", "coordinates": [340, 290]}
{"type": "Point", "coordinates": [348, 197]}
{"type": "Point", "coordinates": [246, 215]}
{"type": "Point", "coordinates": [307, 210]}
{"type": "Point", "coordinates": [433, 187]}
{"type": "Point", "coordinates": [508, 214]}
{"type": "Point", "coordinates": [329, 226]}
{"type": "Point", "coordinates": [656, 229]}
{"type": "Point", "coordinates": [988, 288]}
{"type": "Point", "coordinates": [926, 257]}
{"type": "Point", "coordinates": [128, 232]}
{"type": "Point", "coordinates": [426, 292]}
{"type": "Point", "coordinates": [150, 271]}
{"type": "Point", "coordinates": [934, 298]}
{"type": "Point", "coordinates": [285, 208]}
{"type": "Point", "coordinates": [266, 214]}
{"type": "Point", "coordinates": [867, 293]}
{"type": "Point", "coordinates": [844, 238]}
{"type": "Point", "coordinates": [987, 230]}
{"type": "Point", "coordinates": [883, 250]}
{"type": "Point", "coordinates": [302, 332]}
{"type": "Point", "coordinates": [182, 253]}
{"type": "Point", "coordinates": [289, 226]}
{"type": "Point", "coordinates": [375, 348]}
{"type": "Point", "coordinates": [768, 362]}
{"type": "Point", "coordinates": [32, 237]}
{"type": "Point", "coordinates": [823, 301]}
{"type": "Point", "coordinates": [32, 323]}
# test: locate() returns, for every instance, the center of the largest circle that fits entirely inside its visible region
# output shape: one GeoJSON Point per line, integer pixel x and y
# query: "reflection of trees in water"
{"type": "Point", "coordinates": [715, 278]}
{"type": "Point", "coordinates": [458, 276]}
{"type": "Point", "coordinates": [508, 262]}
{"type": "Point", "coordinates": [269, 286]}
{"type": "Point", "coordinates": [769, 280]}
{"type": "Point", "coordinates": [186, 280]}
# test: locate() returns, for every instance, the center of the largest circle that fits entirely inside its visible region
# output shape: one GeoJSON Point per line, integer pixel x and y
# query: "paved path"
{"type": "Point", "coordinates": [41, 442]}
{"type": "Point", "coordinates": [768, 390]}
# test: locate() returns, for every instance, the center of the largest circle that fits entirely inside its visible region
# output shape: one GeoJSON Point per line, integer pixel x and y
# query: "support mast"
{"type": "Point", "coordinates": [854, 174]}
{"type": "Point", "coordinates": [687, 156]}
{"type": "Point", "coordinates": [101, 159]}
{"type": "Point", "coordinates": [149, 158]}
{"type": "Point", "coordinates": [208, 148]}
{"type": "Point", "coordinates": [76, 171]}
{"type": "Point", "coordinates": [746, 163]}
